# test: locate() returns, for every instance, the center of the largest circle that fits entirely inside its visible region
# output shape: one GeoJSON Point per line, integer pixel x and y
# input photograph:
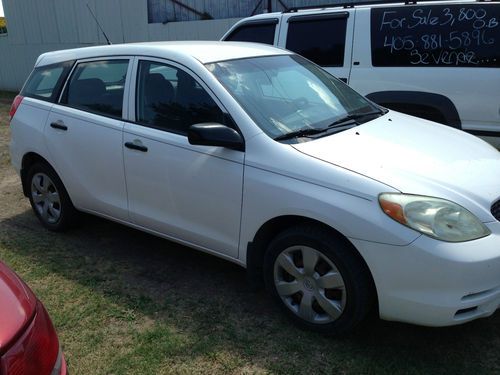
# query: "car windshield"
{"type": "Point", "coordinates": [291, 98]}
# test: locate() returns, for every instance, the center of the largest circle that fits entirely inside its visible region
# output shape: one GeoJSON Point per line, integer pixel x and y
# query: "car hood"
{"type": "Point", "coordinates": [17, 306]}
{"type": "Point", "coordinates": [418, 157]}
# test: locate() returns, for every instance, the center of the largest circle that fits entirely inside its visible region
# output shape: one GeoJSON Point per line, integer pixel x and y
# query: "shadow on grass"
{"type": "Point", "coordinates": [6, 97]}
{"type": "Point", "coordinates": [207, 299]}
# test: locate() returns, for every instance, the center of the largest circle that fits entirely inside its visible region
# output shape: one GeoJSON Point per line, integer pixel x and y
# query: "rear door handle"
{"type": "Point", "coordinates": [58, 125]}
{"type": "Point", "coordinates": [135, 146]}
{"type": "Point", "coordinates": [343, 80]}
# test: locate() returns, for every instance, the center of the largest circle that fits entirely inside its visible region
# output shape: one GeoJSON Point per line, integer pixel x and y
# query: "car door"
{"type": "Point", "coordinates": [325, 38]}
{"type": "Point", "coordinates": [84, 136]}
{"type": "Point", "coordinates": [186, 192]}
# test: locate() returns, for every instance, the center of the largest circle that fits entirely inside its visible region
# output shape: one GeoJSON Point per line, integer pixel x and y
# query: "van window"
{"type": "Point", "coordinates": [45, 82]}
{"type": "Point", "coordinates": [465, 35]}
{"type": "Point", "coordinates": [98, 86]}
{"type": "Point", "coordinates": [256, 32]}
{"type": "Point", "coordinates": [321, 40]}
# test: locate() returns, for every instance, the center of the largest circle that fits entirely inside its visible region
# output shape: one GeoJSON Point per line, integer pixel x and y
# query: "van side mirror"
{"type": "Point", "coordinates": [213, 134]}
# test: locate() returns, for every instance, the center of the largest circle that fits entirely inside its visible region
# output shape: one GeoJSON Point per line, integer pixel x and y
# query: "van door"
{"type": "Point", "coordinates": [325, 38]}
{"type": "Point", "coordinates": [444, 66]}
{"type": "Point", "coordinates": [84, 136]}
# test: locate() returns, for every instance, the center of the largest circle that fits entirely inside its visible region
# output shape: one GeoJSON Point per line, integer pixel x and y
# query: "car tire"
{"type": "Point", "coordinates": [318, 279]}
{"type": "Point", "coordinates": [49, 199]}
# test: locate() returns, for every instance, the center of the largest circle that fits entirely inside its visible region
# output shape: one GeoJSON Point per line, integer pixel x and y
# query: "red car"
{"type": "Point", "coordinates": [28, 340]}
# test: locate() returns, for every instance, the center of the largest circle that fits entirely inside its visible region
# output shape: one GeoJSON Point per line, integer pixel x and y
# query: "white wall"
{"type": "Point", "coordinates": [37, 26]}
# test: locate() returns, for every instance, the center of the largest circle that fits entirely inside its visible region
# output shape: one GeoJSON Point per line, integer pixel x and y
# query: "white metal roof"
{"type": "Point", "coordinates": [205, 52]}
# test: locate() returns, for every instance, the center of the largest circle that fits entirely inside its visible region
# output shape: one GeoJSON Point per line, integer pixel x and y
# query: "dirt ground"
{"type": "Point", "coordinates": [8, 178]}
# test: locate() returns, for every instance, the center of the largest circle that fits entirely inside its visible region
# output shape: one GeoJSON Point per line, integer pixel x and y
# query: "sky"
{"type": "Point", "coordinates": [1, 9]}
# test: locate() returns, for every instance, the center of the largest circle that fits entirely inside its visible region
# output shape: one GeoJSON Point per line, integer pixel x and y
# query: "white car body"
{"type": "Point", "coordinates": [216, 199]}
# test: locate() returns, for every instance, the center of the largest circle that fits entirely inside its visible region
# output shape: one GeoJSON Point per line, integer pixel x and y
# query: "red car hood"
{"type": "Point", "coordinates": [17, 306]}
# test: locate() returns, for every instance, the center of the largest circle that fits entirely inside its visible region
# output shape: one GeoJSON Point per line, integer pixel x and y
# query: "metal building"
{"type": "Point", "coordinates": [37, 26]}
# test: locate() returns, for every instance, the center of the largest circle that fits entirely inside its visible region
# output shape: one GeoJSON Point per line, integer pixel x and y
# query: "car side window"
{"type": "Point", "coordinates": [320, 39]}
{"type": "Point", "coordinates": [97, 86]}
{"type": "Point", "coordinates": [258, 33]}
{"type": "Point", "coordinates": [45, 82]}
{"type": "Point", "coordinates": [170, 99]}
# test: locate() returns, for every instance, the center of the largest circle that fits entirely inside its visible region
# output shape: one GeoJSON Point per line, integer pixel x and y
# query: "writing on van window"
{"type": "Point", "coordinates": [454, 35]}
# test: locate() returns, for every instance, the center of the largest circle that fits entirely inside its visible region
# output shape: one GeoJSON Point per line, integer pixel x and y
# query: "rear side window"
{"type": "Point", "coordinates": [45, 82]}
{"type": "Point", "coordinates": [258, 33]}
{"type": "Point", "coordinates": [320, 39]}
{"type": "Point", "coordinates": [98, 86]}
{"type": "Point", "coordinates": [465, 35]}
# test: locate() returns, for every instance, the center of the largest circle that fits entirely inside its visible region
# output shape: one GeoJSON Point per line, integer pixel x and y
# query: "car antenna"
{"type": "Point", "coordinates": [98, 24]}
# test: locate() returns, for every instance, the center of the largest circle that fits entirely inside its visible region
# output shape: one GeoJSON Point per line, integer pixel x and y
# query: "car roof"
{"type": "Point", "coordinates": [203, 51]}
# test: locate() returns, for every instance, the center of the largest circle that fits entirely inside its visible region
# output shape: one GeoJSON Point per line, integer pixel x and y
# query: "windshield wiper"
{"type": "Point", "coordinates": [347, 120]}
{"type": "Point", "coordinates": [304, 132]}
{"type": "Point", "coordinates": [344, 121]}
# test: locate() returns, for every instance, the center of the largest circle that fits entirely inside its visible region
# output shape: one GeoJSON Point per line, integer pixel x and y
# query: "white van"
{"type": "Point", "coordinates": [439, 60]}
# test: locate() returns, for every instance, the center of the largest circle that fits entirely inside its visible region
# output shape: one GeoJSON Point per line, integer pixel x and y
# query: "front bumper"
{"type": "Point", "coordinates": [435, 283]}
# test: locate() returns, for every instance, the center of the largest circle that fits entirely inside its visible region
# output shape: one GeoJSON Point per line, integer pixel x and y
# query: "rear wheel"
{"type": "Point", "coordinates": [318, 279]}
{"type": "Point", "coordinates": [49, 198]}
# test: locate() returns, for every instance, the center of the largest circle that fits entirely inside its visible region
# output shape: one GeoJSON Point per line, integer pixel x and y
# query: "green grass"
{"type": "Point", "coordinates": [124, 302]}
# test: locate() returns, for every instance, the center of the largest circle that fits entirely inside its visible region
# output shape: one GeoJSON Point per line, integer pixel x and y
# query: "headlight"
{"type": "Point", "coordinates": [434, 217]}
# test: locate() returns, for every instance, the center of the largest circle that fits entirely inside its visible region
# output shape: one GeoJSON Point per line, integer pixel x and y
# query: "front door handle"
{"type": "Point", "coordinates": [59, 125]}
{"type": "Point", "coordinates": [135, 146]}
{"type": "Point", "coordinates": [343, 80]}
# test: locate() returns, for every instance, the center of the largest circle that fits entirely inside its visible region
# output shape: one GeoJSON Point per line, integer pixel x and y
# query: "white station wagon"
{"type": "Point", "coordinates": [257, 155]}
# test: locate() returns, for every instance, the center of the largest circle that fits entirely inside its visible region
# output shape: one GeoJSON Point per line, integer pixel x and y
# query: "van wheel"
{"type": "Point", "coordinates": [421, 111]}
{"type": "Point", "coordinates": [49, 198]}
{"type": "Point", "coordinates": [318, 280]}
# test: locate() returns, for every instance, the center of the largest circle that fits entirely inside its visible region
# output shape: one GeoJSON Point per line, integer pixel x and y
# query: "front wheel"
{"type": "Point", "coordinates": [318, 279]}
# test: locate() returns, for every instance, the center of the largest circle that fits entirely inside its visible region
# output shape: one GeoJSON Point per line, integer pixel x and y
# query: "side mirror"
{"type": "Point", "coordinates": [213, 134]}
